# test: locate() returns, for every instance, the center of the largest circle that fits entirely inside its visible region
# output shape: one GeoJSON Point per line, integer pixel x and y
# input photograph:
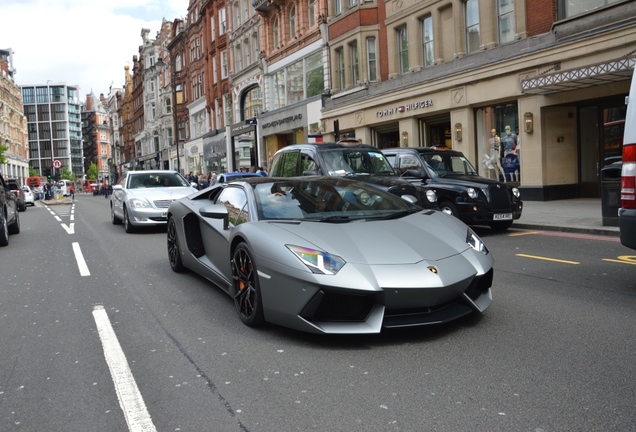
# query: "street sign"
{"type": "Point", "coordinates": [57, 163]}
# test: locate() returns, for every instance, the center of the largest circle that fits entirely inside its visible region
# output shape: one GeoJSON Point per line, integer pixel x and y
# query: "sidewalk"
{"type": "Point", "coordinates": [577, 215]}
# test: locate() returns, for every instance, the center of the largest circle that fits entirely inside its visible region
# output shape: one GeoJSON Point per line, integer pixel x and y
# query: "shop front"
{"type": "Point", "coordinates": [282, 128]}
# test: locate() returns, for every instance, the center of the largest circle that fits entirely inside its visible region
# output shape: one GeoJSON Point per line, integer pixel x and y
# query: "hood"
{"type": "Point", "coordinates": [154, 194]}
{"type": "Point", "coordinates": [477, 182]}
{"type": "Point", "coordinates": [386, 181]}
{"type": "Point", "coordinates": [423, 236]}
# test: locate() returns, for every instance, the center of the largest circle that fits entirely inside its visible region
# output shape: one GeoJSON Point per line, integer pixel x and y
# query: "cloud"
{"type": "Point", "coordinates": [80, 42]}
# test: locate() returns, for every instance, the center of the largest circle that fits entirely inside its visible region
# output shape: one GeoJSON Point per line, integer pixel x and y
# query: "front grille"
{"type": "Point", "coordinates": [330, 306]}
{"type": "Point", "coordinates": [162, 203]}
{"type": "Point", "coordinates": [499, 199]}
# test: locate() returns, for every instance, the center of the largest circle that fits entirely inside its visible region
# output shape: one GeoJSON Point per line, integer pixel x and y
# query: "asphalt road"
{"type": "Point", "coordinates": [554, 352]}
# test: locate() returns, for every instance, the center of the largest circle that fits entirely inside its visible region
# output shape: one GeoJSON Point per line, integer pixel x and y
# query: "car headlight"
{"type": "Point", "coordinates": [475, 242]}
{"type": "Point", "coordinates": [516, 192]}
{"type": "Point", "coordinates": [318, 261]}
{"type": "Point", "coordinates": [139, 203]}
{"type": "Point", "coordinates": [431, 196]}
{"type": "Point", "coordinates": [472, 193]}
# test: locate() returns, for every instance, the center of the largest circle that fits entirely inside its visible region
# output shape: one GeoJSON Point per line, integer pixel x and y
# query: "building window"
{"type": "Point", "coordinates": [275, 33]}
{"type": "Point", "coordinates": [352, 3]}
{"type": "Point", "coordinates": [227, 109]}
{"type": "Point", "coordinates": [315, 77]}
{"type": "Point", "coordinates": [212, 28]}
{"type": "Point", "coordinates": [355, 64]}
{"type": "Point", "coordinates": [214, 71]}
{"type": "Point", "coordinates": [340, 68]}
{"type": "Point", "coordinates": [255, 47]}
{"type": "Point", "coordinates": [311, 13]}
{"type": "Point", "coordinates": [153, 111]}
{"type": "Point", "coordinates": [168, 104]}
{"type": "Point", "coordinates": [338, 7]}
{"type": "Point", "coordinates": [222, 21]}
{"type": "Point", "coordinates": [294, 83]}
{"type": "Point", "coordinates": [238, 59]}
{"type": "Point", "coordinates": [427, 42]}
{"type": "Point", "coordinates": [247, 52]}
{"type": "Point", "coordinates": [473, 40]}
{"type": "Point", "coordinates": [578, 7]}
{"type": "Point", "coordinates": [237, 15]}
{"type": "Point", "coordinates": [403, 49]}
{"type": "Point", "coordinates": [506, 12]}
{"type": "Point", "coordinates": [371, 59]}
{"type": "Point", "coordinates": [292, 22]}
{"type": "Point", "coordinates": [224, 71]}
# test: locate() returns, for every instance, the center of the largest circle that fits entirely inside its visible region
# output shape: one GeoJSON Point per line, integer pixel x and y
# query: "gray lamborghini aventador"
{"type": "Point", "coordinates": [329, 255]}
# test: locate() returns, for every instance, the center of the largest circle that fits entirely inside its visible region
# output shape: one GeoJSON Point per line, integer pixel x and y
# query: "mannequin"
{"type": "Point", "coordinates": [493, 161]}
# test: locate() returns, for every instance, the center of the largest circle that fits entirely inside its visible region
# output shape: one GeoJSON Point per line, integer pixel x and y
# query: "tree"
{"type": "Point", "coordinates": [66, 174]}
{"type": "Point", "coordinates": [33, 172]}
{"type": "Point", "coordinates": [91, 174]}
{"type": "Point", "coordinates": [3, 160]}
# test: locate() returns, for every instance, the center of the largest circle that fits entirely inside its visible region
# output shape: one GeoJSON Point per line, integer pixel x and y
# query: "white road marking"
{"type": "Point", "coordinates": [79, 257]}
{"type": "Point", "coordinates": [69, 229]}
{"type": "Point", "coordinates": [130, 400]}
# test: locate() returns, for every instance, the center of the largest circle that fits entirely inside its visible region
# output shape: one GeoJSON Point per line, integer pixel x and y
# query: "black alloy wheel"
{"type": "Point", "coordinates": [174, 255]}
{"type": "Point", "coordinates": [247, 297]}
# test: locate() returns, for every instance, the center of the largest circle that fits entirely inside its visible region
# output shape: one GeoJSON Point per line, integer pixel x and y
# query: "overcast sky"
{"type": "Point", "coordinates": [80, 42]}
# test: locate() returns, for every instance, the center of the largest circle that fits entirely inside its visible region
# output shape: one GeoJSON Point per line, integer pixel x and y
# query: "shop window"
{"type": "Point", "coordinates": [500, 142]}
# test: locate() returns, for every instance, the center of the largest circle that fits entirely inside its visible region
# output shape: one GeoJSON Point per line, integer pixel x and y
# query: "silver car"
{"type": "Point", "coordinates": [142, 198]}
{"type": "Point", "coordinates": [329, 255]}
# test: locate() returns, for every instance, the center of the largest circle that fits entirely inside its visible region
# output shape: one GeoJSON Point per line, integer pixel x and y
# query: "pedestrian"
{"type": "Point", "coordinates": [71, 190]}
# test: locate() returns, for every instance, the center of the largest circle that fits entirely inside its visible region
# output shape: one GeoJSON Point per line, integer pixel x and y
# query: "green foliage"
{"type": "Point", "coordinates": [3, 160]}
{"type": "Point", "coordinates": [66, 174]}
{"type": "Point", "coordinates": [33, 172]}
{"type": "Point", "coordinates": [92, 172]}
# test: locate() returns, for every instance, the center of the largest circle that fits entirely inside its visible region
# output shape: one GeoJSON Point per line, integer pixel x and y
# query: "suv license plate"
{"type": "Point", "coordinates": [502, 216]}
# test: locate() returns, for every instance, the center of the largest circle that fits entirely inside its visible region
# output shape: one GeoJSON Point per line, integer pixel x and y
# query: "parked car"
{"type": "Point", "coordinates": [29, 195]}
{"type": "Point", "coordinates": [14, 185]}
{"type": "Point", "coordinates": [141, 198]}
{"type": "Point", "coordinates": [329, 255]}
{"type": "Point", "coordinates": [9, 216]}
{"type": "Point", "coordinates": [627, 210]}
{"type": "Point", "coordinates": [226, 177]}
{"type": "Point", "coordinates": [460, 190]}
{"type": "Point", "coordinates": [350, 159]}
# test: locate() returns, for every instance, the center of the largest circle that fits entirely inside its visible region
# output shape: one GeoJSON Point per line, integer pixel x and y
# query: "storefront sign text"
{"type": "Point", "coordinates": [402, 108]}
{"type": "Point", "coordinates": [282, 121]}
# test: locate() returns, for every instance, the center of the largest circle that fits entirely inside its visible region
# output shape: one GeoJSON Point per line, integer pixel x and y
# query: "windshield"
{"type": "Point", "coordinates": [448, 164]}
{"type": "Point", "coordinates": [154, 180]}
{"type": "Point", "coordinates": [326, 199]}
{"type": "Point", "coordinates": [352, 162]}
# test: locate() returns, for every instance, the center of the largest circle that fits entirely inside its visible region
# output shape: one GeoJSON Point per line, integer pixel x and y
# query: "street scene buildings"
{"type": "Point", "coordinates": [533, 93]}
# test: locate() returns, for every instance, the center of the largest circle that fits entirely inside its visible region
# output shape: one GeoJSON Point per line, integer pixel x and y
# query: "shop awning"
{"type": "Point", "coordinates": [598, 74]}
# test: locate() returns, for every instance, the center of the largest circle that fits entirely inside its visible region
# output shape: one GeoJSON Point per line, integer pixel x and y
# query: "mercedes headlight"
{"type": "Point", "coordinates": [318, 261]}
{"type": "Point", "coordinates": [475, 242]}
{"type": "Point", "coordinates": [139, 203]}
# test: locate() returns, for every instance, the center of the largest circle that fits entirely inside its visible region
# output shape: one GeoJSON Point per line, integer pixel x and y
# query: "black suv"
{"type": "Point", "coordinates": [9, 216]}
{"type": "Point", "coordinates": [17, 190]}
{"type": "Point", "coordinates": [348, 159]}
{"type": "Point", "coordinates": [460, 191]}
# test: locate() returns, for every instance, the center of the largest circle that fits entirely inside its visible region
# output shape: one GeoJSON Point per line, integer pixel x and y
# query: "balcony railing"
{"type": "Point", "coordinates": [263, 5]}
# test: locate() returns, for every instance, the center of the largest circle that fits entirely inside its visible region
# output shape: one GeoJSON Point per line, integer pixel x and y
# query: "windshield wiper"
{"type": "Point", "coordinates": [396, 215]}
{"type": "Point", "coordinates": [333, 218]}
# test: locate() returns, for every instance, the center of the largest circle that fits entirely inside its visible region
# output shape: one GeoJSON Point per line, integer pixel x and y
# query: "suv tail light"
{"type": "Point", "coordinates": [628, 174]}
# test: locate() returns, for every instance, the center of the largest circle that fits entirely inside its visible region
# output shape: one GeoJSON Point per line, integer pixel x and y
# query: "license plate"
{"type": "Point", "coordinates": [502, 216]}
{"type": "Point", "coordinates": [164, 214]}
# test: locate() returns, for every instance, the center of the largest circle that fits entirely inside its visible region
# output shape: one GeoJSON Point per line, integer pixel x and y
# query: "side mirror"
{"type": "Point", "coordinates": [412, 173]}
{"type": "Point", "coordinates": [216, 211]}
{"type": "Point", "coordinates": [310, 173]}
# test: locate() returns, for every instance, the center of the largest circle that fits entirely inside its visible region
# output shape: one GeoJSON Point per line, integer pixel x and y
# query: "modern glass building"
{"type": "Point", "coordinates": [54, 126]}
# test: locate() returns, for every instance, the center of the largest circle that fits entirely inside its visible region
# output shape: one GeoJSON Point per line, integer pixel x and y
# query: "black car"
{"type": "Point", "coordinates": [349, 159]}
{"type": "Point", "coordinates": [9, 216]}
{"type": "Point", "coordinates": [14, 185]}
{"type": "Point", "coordinates": [461, 192]}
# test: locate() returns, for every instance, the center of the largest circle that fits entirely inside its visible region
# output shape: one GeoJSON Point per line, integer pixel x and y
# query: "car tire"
{"type": "Point", "coordinates": [22, 208]}
{"type": "Point", "coordinates": [114, 219]}
{"type": "Point", "coordinates": [4, 230]}
{"type": "Point", "coordinates": [501, 226]}
{"type": "Point", "coordinates": [449, 208]}
{"type": "Point", "coordinates": [127, 225]}
{"type": "Point", "coordinates": [247, 291]}
{"type": "Point", "coordinates": [14, 228]}
{"type": "Point", "coordinates": [174, 254]}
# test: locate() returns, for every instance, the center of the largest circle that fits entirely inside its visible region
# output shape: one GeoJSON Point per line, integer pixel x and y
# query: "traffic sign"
{"type": "Point", "coordinates": [57, 163]}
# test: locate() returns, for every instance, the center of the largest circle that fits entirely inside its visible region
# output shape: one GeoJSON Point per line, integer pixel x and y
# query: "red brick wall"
{"type": "Point", "coordinates": [540, 15]}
